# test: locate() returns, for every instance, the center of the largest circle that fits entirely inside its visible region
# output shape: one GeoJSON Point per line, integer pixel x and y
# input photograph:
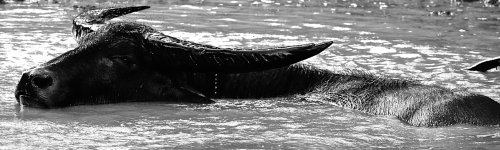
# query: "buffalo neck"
{"type": "Point", "coordinates": [293, 79]}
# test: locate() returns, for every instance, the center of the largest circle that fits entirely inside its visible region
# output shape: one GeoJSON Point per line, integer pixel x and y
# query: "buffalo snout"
{"type": "Point", "coordinates": [35, 87]}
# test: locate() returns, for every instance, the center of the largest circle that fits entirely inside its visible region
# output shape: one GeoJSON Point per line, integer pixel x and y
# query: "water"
{"type": "Point", "coordinates": [400, 39]}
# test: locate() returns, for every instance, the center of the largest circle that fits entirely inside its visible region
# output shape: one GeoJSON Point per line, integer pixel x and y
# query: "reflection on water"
{"type": "Point", "coordinates": [426, 40]}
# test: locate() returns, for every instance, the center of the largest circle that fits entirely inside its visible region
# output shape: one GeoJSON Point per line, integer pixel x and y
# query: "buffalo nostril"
{"type": "Point", "coordinates": [42, 82]}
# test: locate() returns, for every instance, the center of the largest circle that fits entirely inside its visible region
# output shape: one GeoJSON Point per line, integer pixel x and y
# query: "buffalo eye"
{"type": "Point", "coordinates": [126, 61]}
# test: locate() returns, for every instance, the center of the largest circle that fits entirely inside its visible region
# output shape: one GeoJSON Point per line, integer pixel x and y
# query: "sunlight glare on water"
{"type": "Point", "coordinates": [397, 39]}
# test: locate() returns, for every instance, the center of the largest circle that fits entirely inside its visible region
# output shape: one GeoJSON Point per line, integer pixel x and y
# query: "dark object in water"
{"type": "Point", "coordinates": [485, 65]}
{"type": "Point", "coordinates": [491, 3]}
{"type": "Point", "coordinates": [487, 3]}
{"type": "Point", "coordinates": [444, 13]}
{"type": "Point", "coordinates": [124, 61]}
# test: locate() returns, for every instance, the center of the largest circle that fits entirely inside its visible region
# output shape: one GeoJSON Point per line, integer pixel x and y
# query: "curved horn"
{"type": "Point", "coordinates": [485, 65]}
{"type": "Point", "coordinates": [188, 56]}
{"type": "Point", "coordinates": [89, 21]}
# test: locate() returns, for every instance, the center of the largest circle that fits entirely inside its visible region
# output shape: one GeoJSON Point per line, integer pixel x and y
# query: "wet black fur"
{"type": "Point", "coordinates": [409, 101]}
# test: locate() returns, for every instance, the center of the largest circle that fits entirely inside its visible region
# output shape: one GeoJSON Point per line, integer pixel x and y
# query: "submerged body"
{"type": "Point", "coordinates": [409, 101]}
{"type": "Point", "coordinates": [120, 62]}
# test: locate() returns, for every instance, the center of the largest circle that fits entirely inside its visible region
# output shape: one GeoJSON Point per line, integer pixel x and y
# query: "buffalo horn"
{"type": "Point", "coordinates": [188, 56]}
{"type": "Point", "coordinates": [485, 65]}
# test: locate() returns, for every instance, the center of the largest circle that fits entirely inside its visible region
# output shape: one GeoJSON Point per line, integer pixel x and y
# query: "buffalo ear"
{"type": "Point", "coordinates": [187, 94]}
{"type": "Point", "coordinates": [91, 20]}
{"type": "Point", "coordinates": [191, 95]}
{"type": "Point", "coordinates": [173, 88]}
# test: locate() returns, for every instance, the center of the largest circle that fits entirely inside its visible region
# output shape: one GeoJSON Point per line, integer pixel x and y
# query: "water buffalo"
{"type": "Point", "coordinates": [124, 61]}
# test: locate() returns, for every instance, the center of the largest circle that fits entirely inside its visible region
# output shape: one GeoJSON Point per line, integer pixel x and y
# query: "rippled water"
{"type": "Point", "coordinates": [403, 39]}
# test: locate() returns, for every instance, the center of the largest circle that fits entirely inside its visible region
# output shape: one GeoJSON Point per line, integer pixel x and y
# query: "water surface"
{"type": "Point", "coordinates": [397, 39]}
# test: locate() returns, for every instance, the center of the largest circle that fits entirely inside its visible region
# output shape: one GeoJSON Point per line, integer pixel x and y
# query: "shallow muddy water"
{"type": "Point", "coordinates": [400, 39]}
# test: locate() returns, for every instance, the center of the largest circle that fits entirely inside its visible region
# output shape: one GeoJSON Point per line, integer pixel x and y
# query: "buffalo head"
{"type": "Point", "coordinates": [127, 61]}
